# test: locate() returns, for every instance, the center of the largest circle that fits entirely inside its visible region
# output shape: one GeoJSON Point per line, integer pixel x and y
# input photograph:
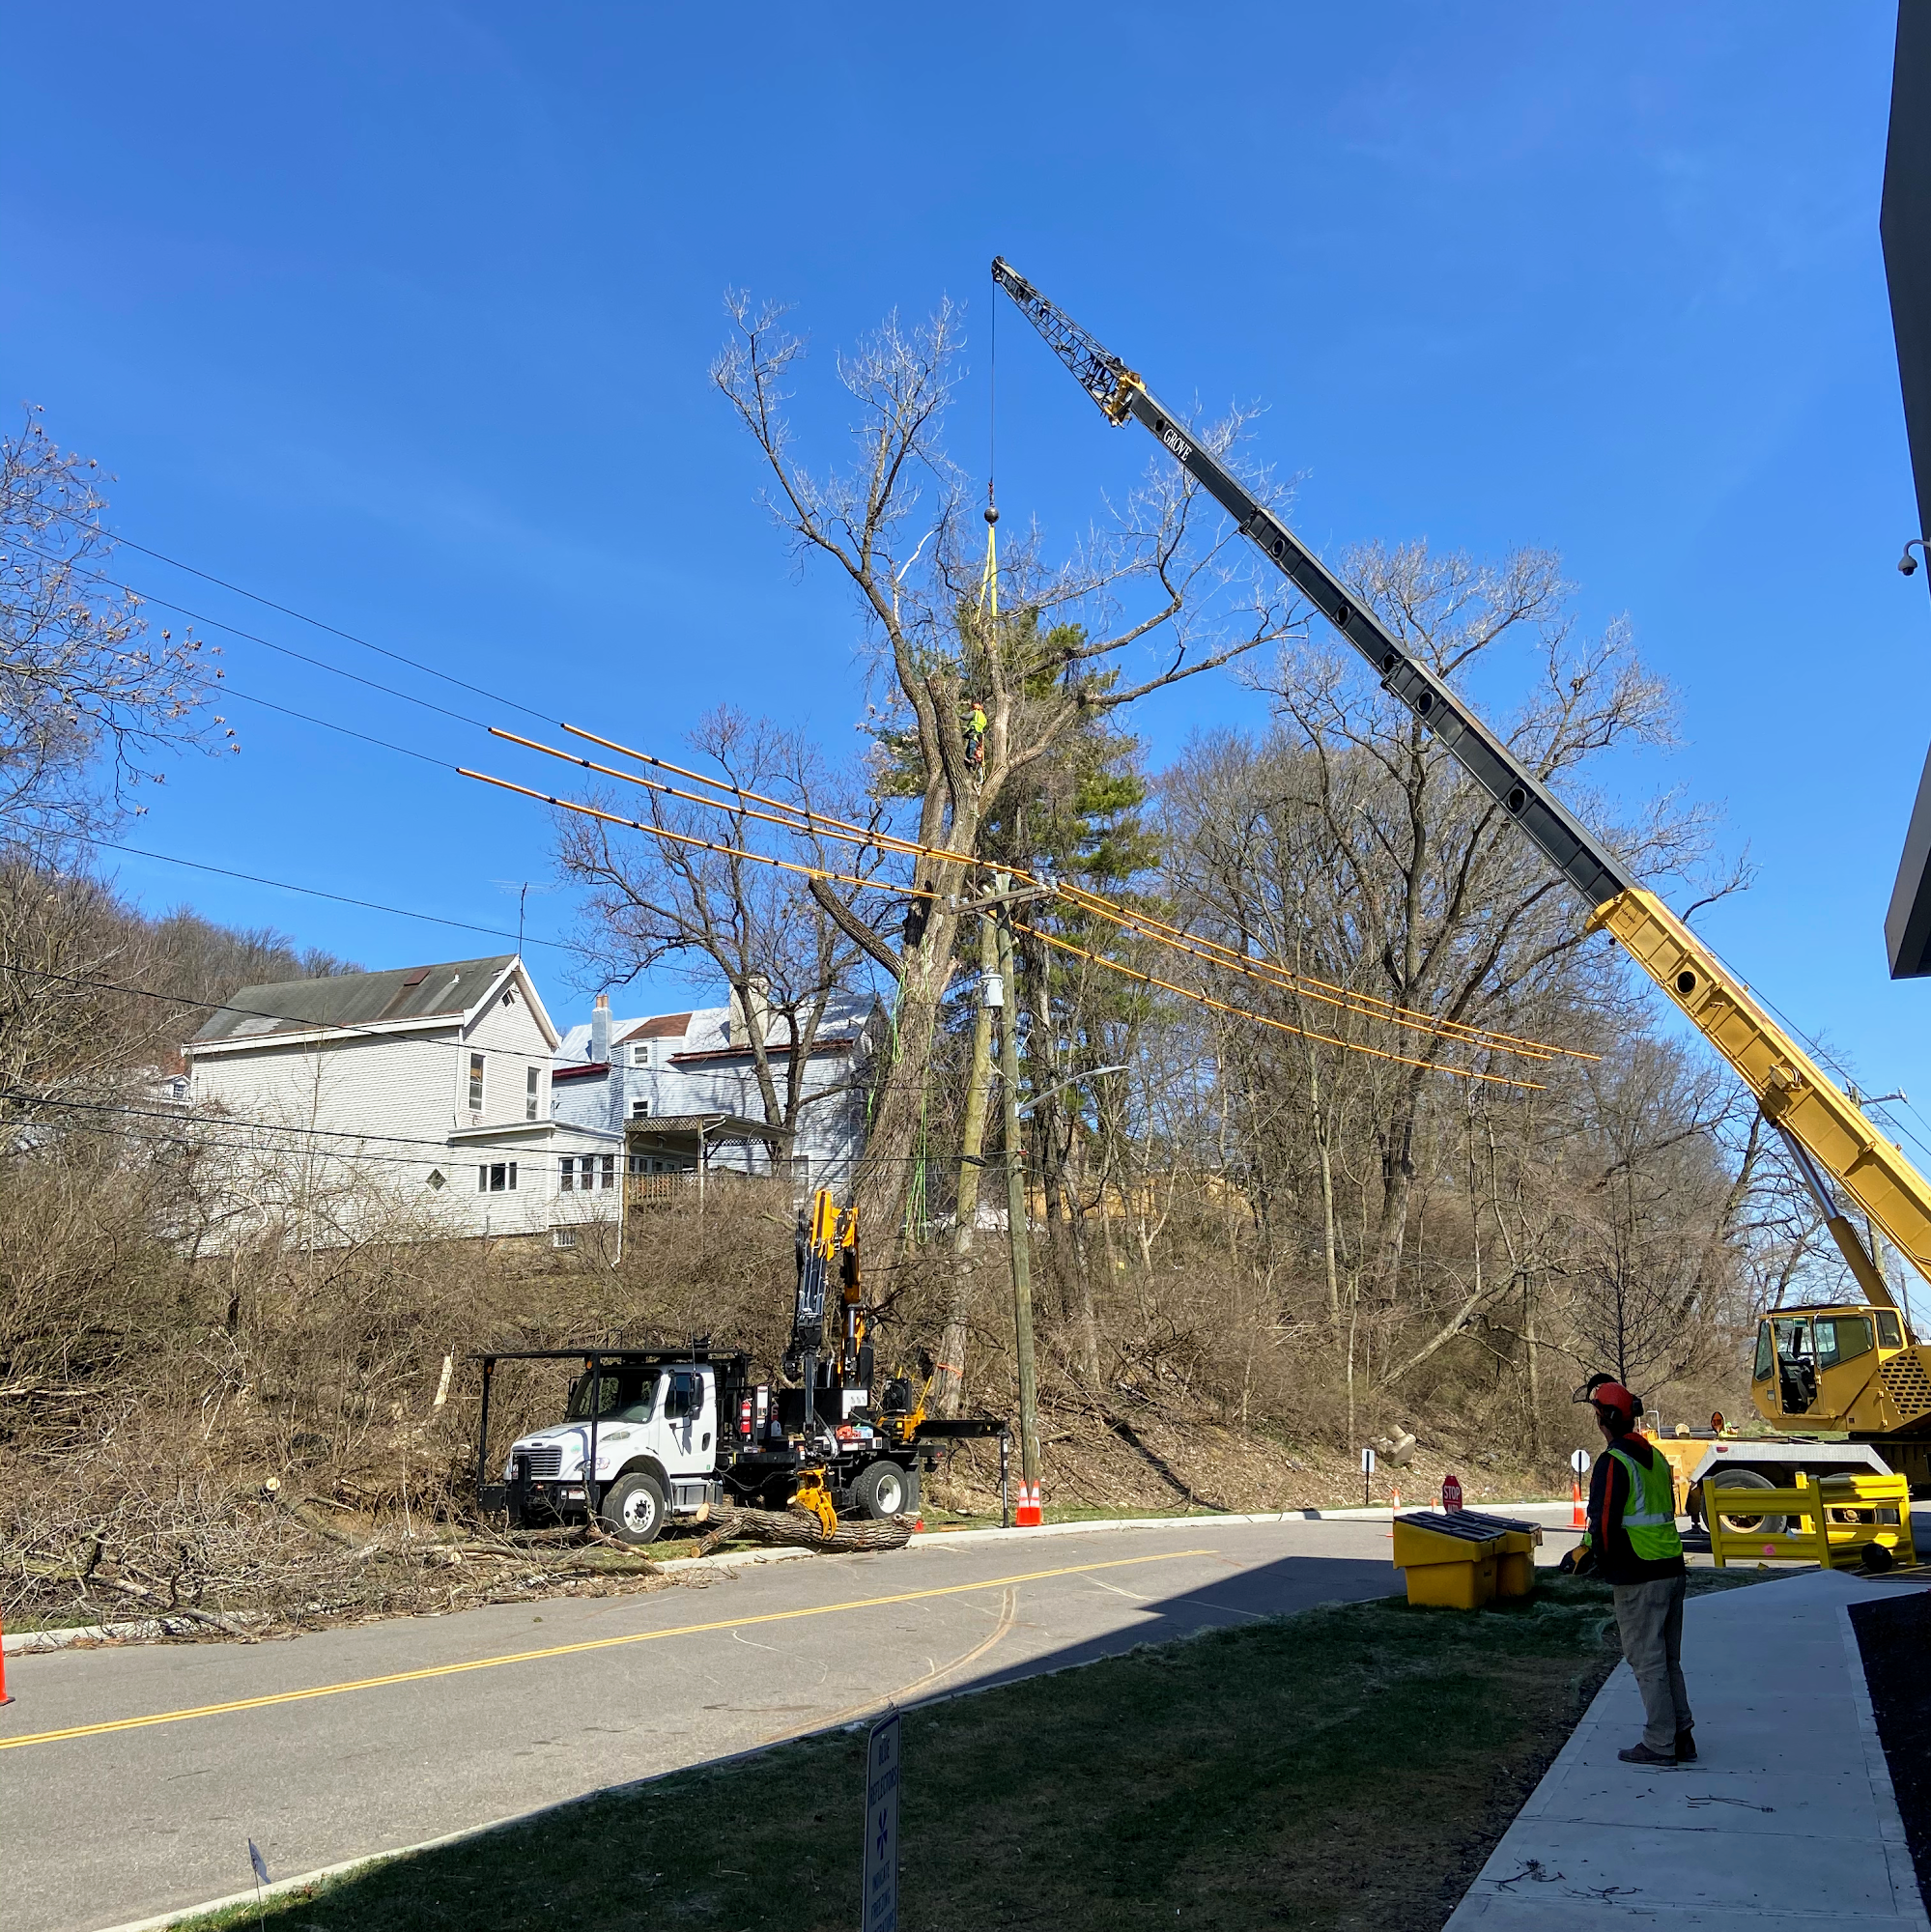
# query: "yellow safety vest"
{"type": "Point", "coordinates": [1649, 1517]}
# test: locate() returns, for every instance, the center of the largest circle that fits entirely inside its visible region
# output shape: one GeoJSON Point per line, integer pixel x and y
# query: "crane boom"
{"type": "Point", "coordinates": [1837, 1146]}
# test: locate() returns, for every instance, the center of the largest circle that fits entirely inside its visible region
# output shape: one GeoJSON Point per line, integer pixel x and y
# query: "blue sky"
{"type": "Point", "coordinates": [402, 316]}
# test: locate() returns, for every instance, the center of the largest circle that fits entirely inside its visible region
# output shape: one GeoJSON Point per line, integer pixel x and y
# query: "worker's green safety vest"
{"type": "Point", "coordinates": [1650, 1514]}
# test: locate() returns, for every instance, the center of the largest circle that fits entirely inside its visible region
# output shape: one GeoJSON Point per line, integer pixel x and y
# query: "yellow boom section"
{"type": "Point", "coordinates": [1794, 1093]}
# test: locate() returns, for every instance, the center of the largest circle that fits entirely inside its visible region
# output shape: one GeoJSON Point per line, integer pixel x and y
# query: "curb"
{"type": "Point", "coordinates": [1377, 1513]}
{"type": "Point", "coordinates": [27, 1641]}
{"type": "Point", "coordinates": [154, 1628]}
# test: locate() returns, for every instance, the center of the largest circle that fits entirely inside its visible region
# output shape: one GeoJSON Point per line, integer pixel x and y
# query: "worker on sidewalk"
{"type": "Point", "coordinates": [1633, 1545]}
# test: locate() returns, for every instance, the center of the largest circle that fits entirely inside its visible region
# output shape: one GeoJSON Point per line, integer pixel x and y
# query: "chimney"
{"type": "Point", "coordinates": [600, 1031]}
{"type": "Point", "coordinates": [749, 1013]}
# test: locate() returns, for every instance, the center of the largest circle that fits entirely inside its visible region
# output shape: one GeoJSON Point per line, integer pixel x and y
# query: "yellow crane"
{"type": "Point", "coordinates": [1853, 1366]}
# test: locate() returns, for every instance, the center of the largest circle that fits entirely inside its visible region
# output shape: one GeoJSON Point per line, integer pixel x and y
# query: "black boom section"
{"type": "Point", "coordinates": [1596, 873]}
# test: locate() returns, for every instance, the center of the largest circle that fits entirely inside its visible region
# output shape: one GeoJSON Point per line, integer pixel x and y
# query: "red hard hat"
{"type": "Point", "coordinates": [1613, 1395]}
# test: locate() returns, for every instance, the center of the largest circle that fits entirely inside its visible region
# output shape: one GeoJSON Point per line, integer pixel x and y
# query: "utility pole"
{"type": "Point", "coordinates": [1017, 1236]}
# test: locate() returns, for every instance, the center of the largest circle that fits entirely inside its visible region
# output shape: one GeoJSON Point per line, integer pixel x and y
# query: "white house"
{"type": "Point", "coordinates": [683, 1091]}
{"type": "Point", "coordinates": [426, 1088]}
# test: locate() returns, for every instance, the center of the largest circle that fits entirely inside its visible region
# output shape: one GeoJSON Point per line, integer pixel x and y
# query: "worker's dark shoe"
{"type": "Point", "coordinates": [1685, 1747]}
{"type": "Point", "coordinates": [1643, 1754]}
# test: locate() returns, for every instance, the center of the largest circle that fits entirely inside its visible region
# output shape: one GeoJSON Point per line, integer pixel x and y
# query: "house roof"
{"type": "Point", "coordinates": [450, 989]}
{"type": "Point", "coordinates": [665, 1026]}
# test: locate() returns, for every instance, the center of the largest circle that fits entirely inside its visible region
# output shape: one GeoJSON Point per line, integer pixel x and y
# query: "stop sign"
{"type": "Point", "coordinates": [1451, 1492]}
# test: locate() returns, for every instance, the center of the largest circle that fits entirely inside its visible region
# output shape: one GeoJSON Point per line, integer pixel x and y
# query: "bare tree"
{"type": "Point", "coordinates": [1456, 914]}
{"type": "Point", "coordinates": [88, 696]}
{"type": "Point", "coordinates": [688, 896]}
{"type": "Point", "coordinates": [1164, 574]}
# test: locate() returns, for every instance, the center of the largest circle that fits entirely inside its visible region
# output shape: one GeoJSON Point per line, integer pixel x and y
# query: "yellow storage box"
{"type": "Point", "coordinates": [1460, 1559]}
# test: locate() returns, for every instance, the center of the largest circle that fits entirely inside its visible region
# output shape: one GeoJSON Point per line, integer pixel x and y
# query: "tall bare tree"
{"type": "Point", "coordinates": [1161, 591]}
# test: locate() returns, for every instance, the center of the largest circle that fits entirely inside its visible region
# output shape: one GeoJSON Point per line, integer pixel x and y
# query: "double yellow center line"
{"type": "Point", "coordinates": [572, 1650]}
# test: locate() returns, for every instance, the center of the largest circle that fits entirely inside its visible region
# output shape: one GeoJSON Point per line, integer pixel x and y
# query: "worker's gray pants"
{"type": "Point", "coordinates": [1650, 1619]}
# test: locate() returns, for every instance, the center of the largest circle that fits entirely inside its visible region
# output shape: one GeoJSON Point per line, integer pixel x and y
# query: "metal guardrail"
{"type": "Point", "coordinates": [1831, 1522]}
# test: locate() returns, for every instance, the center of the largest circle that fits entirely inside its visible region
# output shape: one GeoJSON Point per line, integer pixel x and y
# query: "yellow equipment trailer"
{"type": "Point", "coordinates": [1854, 1368]}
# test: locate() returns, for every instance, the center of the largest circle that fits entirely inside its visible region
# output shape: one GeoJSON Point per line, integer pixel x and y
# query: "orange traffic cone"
{"type": "Point", "coordinates": [3, 1698]}
{"type": "Point", "coordinates": [1576, 1518]}
{"type": "Point", "coordinates": [1029, 1516]}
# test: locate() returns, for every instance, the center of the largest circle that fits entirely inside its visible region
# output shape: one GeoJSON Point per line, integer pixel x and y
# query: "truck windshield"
{"type": "Point", "coordinates": [623, 1395]}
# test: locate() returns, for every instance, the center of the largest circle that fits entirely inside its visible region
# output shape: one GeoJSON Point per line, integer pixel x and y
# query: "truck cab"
{"type": "Point", "coordinates": [645, 1427]}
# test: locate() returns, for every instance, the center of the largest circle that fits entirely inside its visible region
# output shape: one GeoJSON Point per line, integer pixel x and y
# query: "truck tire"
{"type": "Point", "coordinates": [1760, 1525]}
{"type": "Point", "coordinates": [882, 1490]}
{"type": "Point", "coordinates": [633, 1508]}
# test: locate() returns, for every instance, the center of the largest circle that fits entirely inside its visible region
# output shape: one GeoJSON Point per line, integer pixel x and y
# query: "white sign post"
{"type": "Point", "coordinates": [1367, 1474]}
{"type": "Point", "coordinates": [1580, 1461]}
{"type": "Point", "coordinates": [879, 1900]}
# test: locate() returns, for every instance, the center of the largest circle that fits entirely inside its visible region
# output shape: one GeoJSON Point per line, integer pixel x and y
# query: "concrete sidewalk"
{"type": "Point", "coordinates": [1787, 1816]}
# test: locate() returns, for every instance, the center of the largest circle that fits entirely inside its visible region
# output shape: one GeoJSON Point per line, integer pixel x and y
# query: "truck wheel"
{"type": "Point", "coordinates": [882, 1490]}
{"type": "Point", "coordinates": [1747, 1526]}
{"type": "Point", "coordinates": [633, 1508]}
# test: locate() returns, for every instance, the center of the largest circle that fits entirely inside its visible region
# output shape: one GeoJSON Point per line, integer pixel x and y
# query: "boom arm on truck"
{"type": "Point", "coordinates": [1835, 1146]}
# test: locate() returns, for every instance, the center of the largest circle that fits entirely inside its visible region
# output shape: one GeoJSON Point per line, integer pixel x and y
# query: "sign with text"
{"type": "Point", "coordinates": [879, 1899]}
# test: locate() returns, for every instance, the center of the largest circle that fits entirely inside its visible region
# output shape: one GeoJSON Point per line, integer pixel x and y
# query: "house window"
{"type": "Point", "coordinates": [639, 1055]}
{"type": "Point", "coordinates": [566, 1170]}
{"type": "Point", "coordinates": [497, 1176]}
{"type": "Point", "coordinates": [608, 1170]}
{"type": "Point", "coordinates": [563, 1238]}
{"type": "Point", "coordinates": [639, 1110]}
{"type": "Point", "coordinates": [529, 1093]}
{"type": "Point", "coordinates": [436, 1179]}
{"type": "Point", "coordinates": [475, 1083]}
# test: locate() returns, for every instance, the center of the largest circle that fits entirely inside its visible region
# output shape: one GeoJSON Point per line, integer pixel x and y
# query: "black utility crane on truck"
{"type": "Point", "coordinates": [658, 1434]}
{"type": "Point", "coordinates": [1853, 1368]}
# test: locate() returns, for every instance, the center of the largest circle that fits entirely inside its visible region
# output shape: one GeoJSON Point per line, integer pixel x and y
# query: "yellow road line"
{"type": "Point", "coordinates": [572, 1650]}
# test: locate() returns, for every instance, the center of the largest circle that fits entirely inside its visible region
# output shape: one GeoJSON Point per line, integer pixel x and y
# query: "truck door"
{"type": "Point", "coordinates": [690, 1417]}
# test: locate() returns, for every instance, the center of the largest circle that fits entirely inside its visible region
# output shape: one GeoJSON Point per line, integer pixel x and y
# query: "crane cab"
{"type": "Point", "coordinates": [1850, 1367]}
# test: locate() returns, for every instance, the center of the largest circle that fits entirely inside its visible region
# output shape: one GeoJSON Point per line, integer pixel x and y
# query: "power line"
{"type": "Point", "coordinates": [536, 1164]}
{"type": "Point", "coordinates": [329, 1029]}
{"type": "Point", "coordinates": [797, 819]}
{"type": "Point", "coordinates": [315, 892]}
{"type": "Point", "coordinates": [329, 724]}
{"type": "Point", "coordinates": [1262, 1019]}
{"type": "Point", "coordinates": [268, 603]}
{"type": "Point", "coordinates": [219, 1121]}
{"type": "Point", "coordinates": [268, 643]}
{"type": "Point", "coordinates": [1263, 972]}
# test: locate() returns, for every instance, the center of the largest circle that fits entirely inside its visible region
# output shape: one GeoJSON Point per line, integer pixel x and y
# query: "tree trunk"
{"type": "Point", "coordinates": [949, 1388]}
{"type": "Point", "coordinates": [885, 1172]}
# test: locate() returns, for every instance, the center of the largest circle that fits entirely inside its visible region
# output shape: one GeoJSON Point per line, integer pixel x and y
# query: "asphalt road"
{"type": "Point", "coordinates": [132, 1780]}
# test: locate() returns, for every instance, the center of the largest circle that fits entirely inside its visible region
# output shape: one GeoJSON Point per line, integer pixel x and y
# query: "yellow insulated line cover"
{"type": "Point", "coordinates": [571, 1650]}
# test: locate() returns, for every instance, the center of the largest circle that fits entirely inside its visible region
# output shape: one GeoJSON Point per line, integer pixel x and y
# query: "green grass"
{"type": "Point", "coordinates": [1349, 1767]}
